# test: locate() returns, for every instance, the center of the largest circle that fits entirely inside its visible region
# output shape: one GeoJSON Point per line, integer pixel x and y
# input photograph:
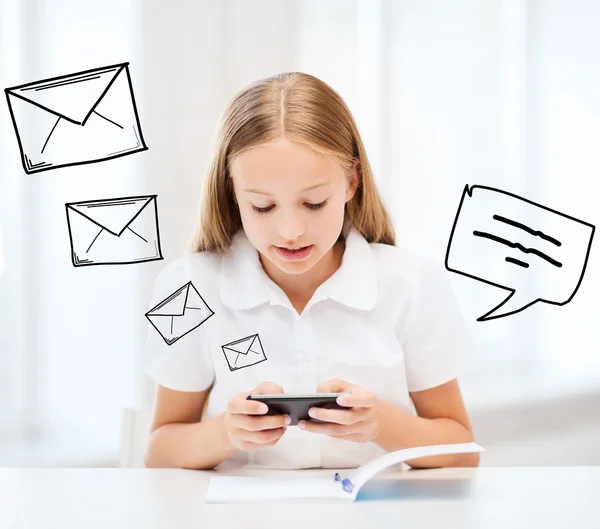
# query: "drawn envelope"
{"type": "Point", "coordinates": [76, 119]}
{"type": "Point", "coordinates": [114, 231]}
{"type": "Point", "coordinates": [244, 353]}
{"type": "Point", "coordinates": [179, 314]}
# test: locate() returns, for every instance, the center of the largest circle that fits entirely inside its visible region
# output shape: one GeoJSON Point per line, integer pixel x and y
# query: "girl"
{"type": "Point", "coordinates": [294, 285]}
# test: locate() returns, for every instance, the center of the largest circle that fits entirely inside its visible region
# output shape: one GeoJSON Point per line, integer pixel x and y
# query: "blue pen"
{"type": "Point", "coordinates": [346, 483]}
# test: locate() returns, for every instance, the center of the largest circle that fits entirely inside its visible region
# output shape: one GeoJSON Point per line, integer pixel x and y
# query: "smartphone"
{"type": "Point", "coordinates": [297, 405]}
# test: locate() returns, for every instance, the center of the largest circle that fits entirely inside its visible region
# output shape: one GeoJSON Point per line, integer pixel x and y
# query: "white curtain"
{"type": "Point", "coordinates": [499, 93]}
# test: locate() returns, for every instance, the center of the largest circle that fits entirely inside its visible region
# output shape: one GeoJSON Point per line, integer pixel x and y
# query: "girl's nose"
{"type": "Point", "coordinates": [290, 228]}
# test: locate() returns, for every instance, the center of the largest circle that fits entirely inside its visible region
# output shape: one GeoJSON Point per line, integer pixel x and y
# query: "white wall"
{"type": "Point", "coordinates": [564, 163]}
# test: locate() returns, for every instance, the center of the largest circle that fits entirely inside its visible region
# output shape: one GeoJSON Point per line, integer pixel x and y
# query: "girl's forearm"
{"type": "Point", "coordinates": [399, 429]}
{"type": "Point", "coordinates": [200, 446]}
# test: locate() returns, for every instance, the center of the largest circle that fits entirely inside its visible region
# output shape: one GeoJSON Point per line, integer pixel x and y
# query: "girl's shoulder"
{"type": "Point", "coordinates": [203, 267]}
{"type": "Point", "coordinates": [400, 263]}
{"type": "Point", "coordinates": [407, 273]}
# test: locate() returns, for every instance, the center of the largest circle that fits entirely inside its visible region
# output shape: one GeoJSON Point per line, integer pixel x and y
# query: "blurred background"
{"type": "Point", "coordinates": [502, 93]}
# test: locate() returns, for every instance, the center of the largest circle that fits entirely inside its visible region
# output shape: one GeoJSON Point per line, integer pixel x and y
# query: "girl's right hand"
{"type": "Point", "coordinates": [246, 428]}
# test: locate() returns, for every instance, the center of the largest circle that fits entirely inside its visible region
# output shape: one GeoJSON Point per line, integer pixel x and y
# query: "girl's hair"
{"type": "Point", "coordinates": [303, 109]}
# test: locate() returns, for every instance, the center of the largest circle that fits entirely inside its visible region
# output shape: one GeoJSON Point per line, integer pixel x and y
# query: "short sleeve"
{"type": "Point", "coordinates": [435, 339]}
{"type": "Point", "coordinates": [184, 365]}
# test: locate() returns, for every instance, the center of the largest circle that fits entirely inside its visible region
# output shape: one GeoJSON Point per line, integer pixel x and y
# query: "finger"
{"type": "Point", "coordinates": [261, 438]}
{"type": "Point", "coordinates": [367, 430]}
{"type": "Point", "coordinates": [262, 389]}
{"type": "Point", "coordinates": [249, 446]}
{"type": "Point", "coordinates": [338, 430]}
{"type": "Point", "coordinates": [335, 385]}
{"type": "Point", "coordinates": [347, 417]}
{"type": "Point", "coordinates": [330, 429]}
{"type": "Point", "coordinates": [255, 424]}
{"type": "Point", "coordinates": [267, 387]}
{"type": "Point", "coordinates": [241, 405]}
{"type": "Point", "coordinates": [264, 436]}
{"type": "Point", "coordinates": [360, 397]}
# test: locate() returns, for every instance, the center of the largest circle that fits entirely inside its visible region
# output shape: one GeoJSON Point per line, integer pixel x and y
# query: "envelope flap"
{"type": "Point", "coordinates": [114, 215]}
{"type": "Point", "coordinates": [241, 346]}
{"type": "Point", "coordinates": [72, 97]}
{"type": "Point", "coordinates": [174, 305]}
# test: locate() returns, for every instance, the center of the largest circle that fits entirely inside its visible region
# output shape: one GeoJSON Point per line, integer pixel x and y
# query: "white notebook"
{"type": "Point", "coordinates": [255, 489]}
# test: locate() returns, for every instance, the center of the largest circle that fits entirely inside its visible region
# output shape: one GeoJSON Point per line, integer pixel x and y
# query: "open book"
{"type": "Point", "coordinates": [254, 489]}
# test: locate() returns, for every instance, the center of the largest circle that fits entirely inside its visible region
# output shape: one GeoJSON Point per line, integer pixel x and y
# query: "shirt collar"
{"type": "Point", "coordinates": [244, 284]}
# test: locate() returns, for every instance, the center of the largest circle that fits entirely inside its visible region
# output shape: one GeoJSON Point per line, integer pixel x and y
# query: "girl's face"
{"type": "Point", "coordinates": [290, 197]}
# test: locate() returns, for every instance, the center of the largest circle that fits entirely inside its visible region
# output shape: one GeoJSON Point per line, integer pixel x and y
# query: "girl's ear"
{"type": "Point", "coordinates": [353, 180]}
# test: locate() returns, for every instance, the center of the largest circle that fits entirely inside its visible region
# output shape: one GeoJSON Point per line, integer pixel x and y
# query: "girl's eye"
{"type": "Point", "coordinates": [314, 207]}
{"type": "Point", "coordinates": [262, 210]}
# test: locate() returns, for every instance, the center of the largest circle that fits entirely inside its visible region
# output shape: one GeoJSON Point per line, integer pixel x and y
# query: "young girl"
{"type": "Point", "coordinates": [294, 285]}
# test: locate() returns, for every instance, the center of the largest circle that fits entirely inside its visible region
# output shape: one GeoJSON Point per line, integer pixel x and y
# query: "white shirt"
{"type": "Point", "coordinates": [385, 319]}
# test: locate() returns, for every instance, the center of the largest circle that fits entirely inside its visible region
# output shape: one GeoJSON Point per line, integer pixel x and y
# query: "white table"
{"type": "Point", "coordinates": [483, 498]}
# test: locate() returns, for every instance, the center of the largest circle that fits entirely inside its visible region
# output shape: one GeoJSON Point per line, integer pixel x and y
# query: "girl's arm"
{"type": "Point", "coordinates": [442, 418]}
{"type": "Point", "coordinates": [180, 439]}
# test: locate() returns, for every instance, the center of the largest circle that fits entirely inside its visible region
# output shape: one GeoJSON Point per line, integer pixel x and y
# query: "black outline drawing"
{"type": "Point", "coordinates": [523, 249]}
{"type": "Point", "coordinates": [228, 346]}
{"type": "Point", "coordinates": [173, 296]}
{"type": "Point", "coordinates": [86, 75]}
{"type": "Point", "coordinates": [111, 202]}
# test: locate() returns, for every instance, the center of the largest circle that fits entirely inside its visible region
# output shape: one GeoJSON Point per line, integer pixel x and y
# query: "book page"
{"type": "Point", "coordinates": [242, 489]}
{"type": "Point", "coordinates": [366, 471]}
{"type": "Point", "coordinates": [254, 489]}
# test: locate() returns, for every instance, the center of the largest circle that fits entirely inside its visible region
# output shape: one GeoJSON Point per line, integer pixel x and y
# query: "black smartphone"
{"type": "Point", "coordinates": [297, 405]}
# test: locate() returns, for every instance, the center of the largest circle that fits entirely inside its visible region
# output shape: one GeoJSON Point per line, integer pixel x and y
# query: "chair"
{"type": "Point", "coordinates": [135, 432]}
{"type": "Point", "coordinates": [135, 428]}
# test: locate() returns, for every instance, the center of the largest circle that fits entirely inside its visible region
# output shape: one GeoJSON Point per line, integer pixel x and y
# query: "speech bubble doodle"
{"type": "Point", "coordinates": [505, 240]}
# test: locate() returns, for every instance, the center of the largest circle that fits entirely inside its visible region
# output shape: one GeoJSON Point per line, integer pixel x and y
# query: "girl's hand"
{"type": "Point", "coordinates": [358, 424]}
{"type": "Point", "coordinates": [248, 428]}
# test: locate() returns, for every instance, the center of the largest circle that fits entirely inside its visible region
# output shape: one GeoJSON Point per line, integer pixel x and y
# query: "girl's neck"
{"type": "Point", "coordinates": [300, 288]}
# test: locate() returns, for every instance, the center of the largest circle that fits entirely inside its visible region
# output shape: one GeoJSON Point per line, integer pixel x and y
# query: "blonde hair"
{"type": "Point", "coordinates": [303, 109]}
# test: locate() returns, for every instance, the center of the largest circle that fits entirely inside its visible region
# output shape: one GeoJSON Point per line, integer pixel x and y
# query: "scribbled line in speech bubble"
{"type": "Point", "coordinates": [483, 226]}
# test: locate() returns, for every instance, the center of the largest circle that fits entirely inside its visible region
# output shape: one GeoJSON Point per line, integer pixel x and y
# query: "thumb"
{"type": "Point", "coordinates": [267, 387]}
{"type": "Point", "coordinates": [336, 385]}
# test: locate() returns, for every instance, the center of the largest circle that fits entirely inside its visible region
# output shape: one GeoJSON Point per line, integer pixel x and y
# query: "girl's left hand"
{"type": "Point", "coordinates": [359, 423]}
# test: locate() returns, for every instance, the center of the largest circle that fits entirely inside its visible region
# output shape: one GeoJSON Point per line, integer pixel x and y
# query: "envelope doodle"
{"type": "Point", "coordinates": [76, 119]}
{"type": "Point", "coordinates": [244, 353]}
{"type": "Point", "coordinates": [179, 314]}
{"type": "Point", "coordinates": [114, 231]}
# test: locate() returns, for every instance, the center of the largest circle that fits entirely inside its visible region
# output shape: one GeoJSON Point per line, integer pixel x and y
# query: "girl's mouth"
{"type": "Point", "coordinates": [300, 253]}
